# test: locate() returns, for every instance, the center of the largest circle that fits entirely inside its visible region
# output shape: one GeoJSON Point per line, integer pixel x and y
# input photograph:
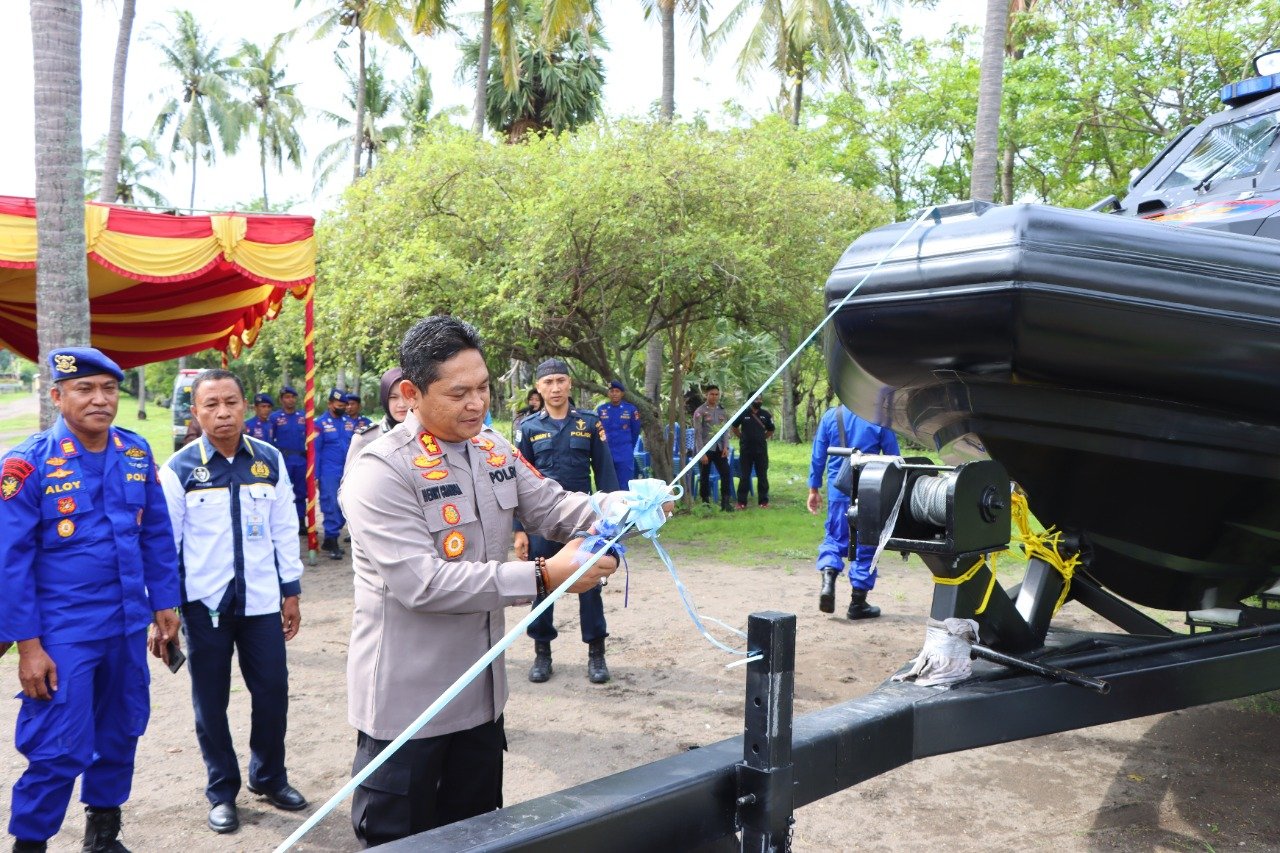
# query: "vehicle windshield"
{"type": "Point", "coordinates": [1236, 150]}
{"type": "Point", "coordinates": [182, 404]}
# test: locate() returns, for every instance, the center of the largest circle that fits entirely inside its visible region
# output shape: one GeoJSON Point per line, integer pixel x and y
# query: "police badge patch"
{"type": "Point", "coordinates": [66, 506]}
{"type": "Point", "coordinates": [136, 453]}
{"type": "Point", "coordinates": [13, 475]}
{"type": "Point", "coordinates": [260, 470]}
{"type": "Point", "coordinates": [64, 363]}
{"type": "Point", "coordinates": [450, 514]}
{"type": "Point", "coordinates": [454, 544]}
{"type": "Point", "coordinates": [200, 474]}
{"type": "Point", "coordinates": [66, 527]}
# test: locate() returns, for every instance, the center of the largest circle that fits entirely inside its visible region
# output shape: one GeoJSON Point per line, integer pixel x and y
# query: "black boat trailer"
{"type": "Point", "coordinates": [1028, 680]}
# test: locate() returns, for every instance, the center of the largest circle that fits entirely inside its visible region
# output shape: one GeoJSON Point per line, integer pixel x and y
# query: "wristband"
{"type": "Point", "coordinates": [540, 575]}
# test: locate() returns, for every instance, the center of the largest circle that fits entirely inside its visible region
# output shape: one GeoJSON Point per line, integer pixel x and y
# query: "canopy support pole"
{"type": "Point", "coordinates": [309, 408]}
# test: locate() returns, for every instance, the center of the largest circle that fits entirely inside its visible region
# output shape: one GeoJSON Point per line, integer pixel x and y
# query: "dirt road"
{"type": "Point", "coordinates": [1204, 779]}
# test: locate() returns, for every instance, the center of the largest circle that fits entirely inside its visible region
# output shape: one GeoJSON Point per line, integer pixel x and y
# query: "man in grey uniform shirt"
{"type": "Point", "coordinates": [430, 505]}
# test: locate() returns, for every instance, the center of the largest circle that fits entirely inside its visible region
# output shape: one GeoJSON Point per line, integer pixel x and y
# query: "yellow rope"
{"type": "Point", "coordinates": [1043, 546]}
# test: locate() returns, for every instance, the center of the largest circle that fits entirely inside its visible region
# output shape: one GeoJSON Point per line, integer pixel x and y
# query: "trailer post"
{"type": "Point", "coordinates": [765, 776]}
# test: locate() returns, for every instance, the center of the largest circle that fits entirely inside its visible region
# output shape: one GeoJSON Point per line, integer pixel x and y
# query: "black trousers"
{"type": "Point", "coordinates": [430, 782]}
{"type": "Point", "coordinates": [726, 481]}
{"type": "Point", "coordinates": [757, 458]}
{"type": "Point", "coordinates": [258, 642]}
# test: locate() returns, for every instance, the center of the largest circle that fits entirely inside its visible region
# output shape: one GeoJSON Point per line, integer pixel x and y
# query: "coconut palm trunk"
{"type": "Point", "coordinates": [358, 144]}
{"type": "Point", "coordinates": [109, 190]}
{"type": "Point", "coordinates": [195, 161]}
{"type": "Point", "coordinates": [62, 278]}
{"type": "Point", "coordinates": [986, 137]}
{"type": "Point", "coordinates": [262, 162]}
{"type": "Point", "coordinates": [482, 70]}
{"type": "Point", "coordinates": [667, 18]}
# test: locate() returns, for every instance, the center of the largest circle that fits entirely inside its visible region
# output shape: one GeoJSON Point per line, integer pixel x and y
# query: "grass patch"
{"type": "Point", "coordinates": [1263, 703]}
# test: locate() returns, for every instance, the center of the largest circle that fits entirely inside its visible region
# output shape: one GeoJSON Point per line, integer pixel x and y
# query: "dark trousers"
{"type": "Point", "coordinates": [590, 604]}
{"type": "Point", "coordinates": [296, 465]}
{"type": "Point", "coordinates": [259, 644]}
{"type": "Point", "coordinates": [757, 458]}
{"type": "Point", "coordinates": [429, 782]}
{"type": "Point", "coordinates": [726, 481]}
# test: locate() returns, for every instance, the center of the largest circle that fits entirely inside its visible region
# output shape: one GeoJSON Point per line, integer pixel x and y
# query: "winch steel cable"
{"type": "Point", "coordinates": [929, 500]}
{"type": "Point", "coordinates": [627, 524]}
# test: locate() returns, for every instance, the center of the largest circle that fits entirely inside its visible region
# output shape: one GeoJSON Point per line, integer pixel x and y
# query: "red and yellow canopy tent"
{"type": "Point", "coordinates": [163, 286]}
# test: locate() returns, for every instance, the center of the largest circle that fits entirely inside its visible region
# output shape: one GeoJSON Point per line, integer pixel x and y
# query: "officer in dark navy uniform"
{"type": "Point", "coordinates": [289, 435]}
{"type": "Point", "coordinates": [259, 426]}
{"type": "Point", "coordinates": [87, 562]}
{"type": "Point", "coordinates": [334, 431]}
{"type": "Point", "coordinates": [568, 445]}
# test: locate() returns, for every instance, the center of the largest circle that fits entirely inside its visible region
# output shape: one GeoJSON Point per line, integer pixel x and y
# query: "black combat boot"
{"type": "Point", "coordinates": [858, 607]}
{"type": "Point", "coordinates": [101, 826]}
{"type": "Point", "coordinates": [725, 506]}
{"type": "Point", "coordinates": [20, 846]}
{"type": "Point", "coordinates": [331, 547]}
{"type": "Point", "coordinates": [541, 669]}
{"type": "Point", "coordinates": [597, 669]}
{"type": "Point", "coordinates": [827, 598]}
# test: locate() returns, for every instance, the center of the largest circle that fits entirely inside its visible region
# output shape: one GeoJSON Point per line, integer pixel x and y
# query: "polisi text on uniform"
{"type": "Point", "coordinates": [508, 473]}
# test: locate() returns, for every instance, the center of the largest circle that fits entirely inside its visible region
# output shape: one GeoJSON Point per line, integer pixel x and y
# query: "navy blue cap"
{"type": "Point", "coordinates": [337, 396]}
{"type": "Point", "coordinates": [616, 384]}
{"type": "Point", "coordinates": [288, 389]}
{"type": "Point", "coordinates": [263, 398]}
{"type": "Point", "coordinates": [78, 362]}
{"type": "Point", "coordinates": [552, 367]}
{"type": "Point", "coordinates": [352, 398]}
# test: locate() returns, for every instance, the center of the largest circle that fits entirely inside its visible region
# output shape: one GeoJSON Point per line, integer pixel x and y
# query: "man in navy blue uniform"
{"type": "Point", "coordinates": [334, 431]}
{"type": "Point", "coordinates": [621, 421]}
{"type": "Point", "coordinates": [86, 564]}
{"type": "Point", "coordinates": [568, 445]}
{"type": "Point", "coordinates": [840, 427]}
{"type": "Point", "coordinates": [353, 411]}
{"type": "Point", "coordinates": [230, 503]}
{"type": "Point", "coordinates": [259, 426]}
{"type": "Point", "coordinates": [289, 435]}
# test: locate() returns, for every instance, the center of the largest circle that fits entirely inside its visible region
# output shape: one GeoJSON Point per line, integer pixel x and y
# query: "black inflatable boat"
{"type": "Point", "coordinates": [1124, 366]}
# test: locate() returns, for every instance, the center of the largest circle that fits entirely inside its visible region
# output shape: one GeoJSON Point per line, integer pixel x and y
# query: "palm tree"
{"type": "Point", "coordinates": [666, 11]}
{"type": "Point", "coordinates": [138, 163]}
{"type": "Point", "coordinates": [275, 107]}
{"type": "Point", "coordinates": [378, 100]}
{"type": "Point", "coordinates": [982, 180]}
{"type": "Point", "coordinates": [414, 98]}
{"type": "Point", "coordinates": [799, 40]}
{"type": "Point", "coordinates": [115, 128]}
{"type": "Point", "coordinates": [378, 17]}
{"type": "Point", "coordinates": [557, 88]}
{"type": "Point", "coordinates": [62, 277]}
{"type": "Point", "coordinates": [201, 104]}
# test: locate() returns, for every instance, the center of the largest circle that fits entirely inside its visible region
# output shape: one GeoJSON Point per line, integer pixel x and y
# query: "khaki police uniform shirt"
{"type": "Point", "coordinates": [430, 533]}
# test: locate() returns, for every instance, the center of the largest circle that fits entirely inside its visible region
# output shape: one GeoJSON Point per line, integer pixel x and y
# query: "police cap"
{"type": "Point", "coordinates": [78, 362]}
{"type": "Point", "coordinates": [336, 396]}
{"type": "Point", "coordinates": [288, 389]}
{"type": "Point", "coordinates": [351, 398]}
{"type": "Point", "coordinates": [263, 398]}
{"type": "Point", "coordinates": [616, 384]}
{"type": "Point", "coordinates": [552, 367]}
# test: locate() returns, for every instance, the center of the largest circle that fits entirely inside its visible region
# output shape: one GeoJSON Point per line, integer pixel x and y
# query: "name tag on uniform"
{"type": "Point", "coordinates": [255, 526]}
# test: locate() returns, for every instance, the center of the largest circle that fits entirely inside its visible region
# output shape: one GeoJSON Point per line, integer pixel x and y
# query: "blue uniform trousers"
{"type": "Point", "coordinates": [590, 604]}
{"type": "Point", "coordinates": [259, 644]}
{"type": "Point", "coordinates": [835, 545]}
{"type": "Point", "coordinates": [333, 518]}
{"type": "Point", "coordinates": [296, 465]}
{"type": "Point", "coordinates": [625, 468]}
{"type": "Point", "coordinates": [90, 727]}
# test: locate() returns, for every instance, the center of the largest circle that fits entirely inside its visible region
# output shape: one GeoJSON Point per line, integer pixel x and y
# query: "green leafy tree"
{"type": "Point", "coordinates": [273, 105]}
{"type": "Point", "coordinates": [200, 106]}
{"type": "Point", "coordinates": [138, 164]}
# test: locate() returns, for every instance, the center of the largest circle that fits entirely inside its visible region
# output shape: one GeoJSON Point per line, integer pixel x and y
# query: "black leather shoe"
{"type": "Point", "coordinates": [20, 846]}
{"type": "Point", "coordinates": [286, 798]}
{"type": "Point", "coordinates": [223, 818]}
{"type": "Point", "coordinates": [331, 547]}
{"type": "Point", "coordinates": [827, 598]}
{"type": "Point", "coordinates": [858, 607]}
{"type": "Point", "coordinates": [541, 670]}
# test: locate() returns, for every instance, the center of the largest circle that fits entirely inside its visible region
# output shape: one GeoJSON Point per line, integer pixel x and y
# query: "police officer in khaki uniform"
{"type": "Point", "coordinates": [430, 505]}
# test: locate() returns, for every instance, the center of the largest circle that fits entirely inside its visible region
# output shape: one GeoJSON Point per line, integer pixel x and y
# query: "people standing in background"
{"type": "Point", "coordinates": [86, 563]}
{"type": "Point", "coordinates": [230, 501]}
{"type": "Point", "coordinates": [532, 405]}
{"type": "Point", "coordinates": [621, 421]}
{"type": "Point", "coordinates": [260, 425]}
{"type": "Point", "coordinates": [754, 428]}
{"type": "Point", "coordinates": [394, 406]}
{"type": "Point", "coordinates": [289, 435]}
{"type": "Point", "coordinates": [353, 404]}
{"type": "Point", "coordinates": [707, 420]}
{"type": "Point", "coordinates": [569, 446]}
{"type": "Point", "coordinates": [840, 427]}
{"type": "Point", "coordinates": [334, 431]}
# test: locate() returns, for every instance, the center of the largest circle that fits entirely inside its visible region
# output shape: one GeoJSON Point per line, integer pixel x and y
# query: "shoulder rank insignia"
{"type": "Point", "coordinates": [68, 448]}
{"type": "Point", "coordinates": [454, 544]}
{"type": "Point", "coordinates": [260, 470]}
{"type": "Point", "coordinates": [115, 439]}
{"type": "Point", "coordinates": [450, 514]}
{"type": "Point", "coordinates": [429, 444]}
{"type": "Point", "coordinates": [136, 453]}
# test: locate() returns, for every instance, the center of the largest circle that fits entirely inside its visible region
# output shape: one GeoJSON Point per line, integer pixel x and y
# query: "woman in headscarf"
{"type": "Point", "coordinates": [394, 406]}
{"type": "Point", "coordinates": [532, 405]}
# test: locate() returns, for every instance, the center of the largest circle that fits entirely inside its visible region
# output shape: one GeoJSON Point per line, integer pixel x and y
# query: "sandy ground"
{"type": "Point", "coordinates": [1202, 779]}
